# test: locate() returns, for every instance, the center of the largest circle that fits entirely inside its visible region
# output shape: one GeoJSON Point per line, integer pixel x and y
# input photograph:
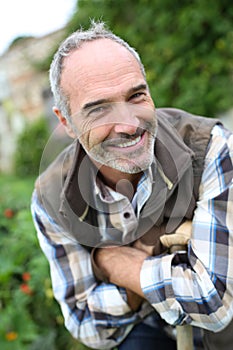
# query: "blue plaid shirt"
{"type": "Point", "coordinates": [195, 287]}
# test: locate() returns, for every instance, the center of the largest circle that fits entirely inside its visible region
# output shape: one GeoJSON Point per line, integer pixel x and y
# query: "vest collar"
{"type": "Point", "coordinates": [172, 157]}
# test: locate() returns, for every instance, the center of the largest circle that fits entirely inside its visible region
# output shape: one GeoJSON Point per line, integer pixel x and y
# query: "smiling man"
{"type": "Point", "coordinates": [110, 206]}
{"type": "Point", "coordinates": [112, 112]}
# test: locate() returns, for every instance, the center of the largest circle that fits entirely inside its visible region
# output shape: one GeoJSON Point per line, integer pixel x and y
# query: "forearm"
{"type": "Point", "coordinates": [122, 265]}
{"type": "Point", "coordinates": [91, 310]}
{"type": "Point", "coordinates": [169, 285]}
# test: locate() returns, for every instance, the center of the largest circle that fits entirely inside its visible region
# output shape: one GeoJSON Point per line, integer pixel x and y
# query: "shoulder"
{"type": "Point", "coordinates": [61, 162]}
{"type": "Point", "coordinates": [53, 178]}
{"type": "Point", "coordinates": [219, 156]}
{"type": "Point", "coordinates": [218, 167]}
{"type": "Point", "coordinates": [221, 142]}
{"type": "Point", "coordinates": [194, 130]}
{"type": "Point", "coordinates": [182, 120]}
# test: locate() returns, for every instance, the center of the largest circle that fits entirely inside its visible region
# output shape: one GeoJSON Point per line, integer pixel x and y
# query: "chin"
{"type": "Point", "coordinates": [127, 167]}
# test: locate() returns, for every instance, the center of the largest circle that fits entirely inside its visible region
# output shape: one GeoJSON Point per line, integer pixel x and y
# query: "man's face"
{"type": "Point", "coordinates": [113, 114]}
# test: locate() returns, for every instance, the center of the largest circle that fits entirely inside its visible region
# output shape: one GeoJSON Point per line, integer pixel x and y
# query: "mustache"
{"type": "Point", "coordinates": [127, 137]}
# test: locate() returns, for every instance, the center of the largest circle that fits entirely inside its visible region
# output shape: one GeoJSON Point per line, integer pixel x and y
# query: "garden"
{"type": "Point", "coordinates": [30, 317]}
{"type": "Point", "coordinates": [187, 51]}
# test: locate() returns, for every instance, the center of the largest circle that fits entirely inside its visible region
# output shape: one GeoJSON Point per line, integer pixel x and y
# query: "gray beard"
{"type": "Point", "coordinates": [127, 164]}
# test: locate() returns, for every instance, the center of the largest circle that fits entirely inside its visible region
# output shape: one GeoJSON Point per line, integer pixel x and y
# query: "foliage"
{"type": "Point", "coordinates": [30, 145]}
{"type": "Point", "coordinates": [186, 47]}
{"type": "Point", "coordinates": [30, 318]}
{"type": "Point", "coordinates": [20, 39]}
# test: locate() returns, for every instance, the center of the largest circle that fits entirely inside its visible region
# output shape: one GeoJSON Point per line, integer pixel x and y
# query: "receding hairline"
{"type": "Point", "coordinates": [93, 42]}
{"type": "Point", "coordinates": [74, 42]}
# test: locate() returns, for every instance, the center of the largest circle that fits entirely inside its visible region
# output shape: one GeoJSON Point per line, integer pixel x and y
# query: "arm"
{"type": "Point", "coordinates": [91, 310]}
{"type": "Point", "coordinates": [194, 287]}
{"type": "Point", "coordinates": [129, 260]}
{"type": "Point", "coordinates": [122, 265]}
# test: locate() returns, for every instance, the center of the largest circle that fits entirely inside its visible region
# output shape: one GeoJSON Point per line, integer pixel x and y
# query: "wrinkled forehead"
{"type": "Point", "coordinates": [101, 56]}
{"type": "Point", "coordinates": [96, 66]}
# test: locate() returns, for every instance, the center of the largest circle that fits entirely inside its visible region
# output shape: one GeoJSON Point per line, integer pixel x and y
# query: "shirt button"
{"type": "Point", "coordinates": [126, 215]}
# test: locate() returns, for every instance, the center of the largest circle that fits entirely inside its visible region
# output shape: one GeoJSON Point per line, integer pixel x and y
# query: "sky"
{"type": "Point", "coordinates": [32, 17]}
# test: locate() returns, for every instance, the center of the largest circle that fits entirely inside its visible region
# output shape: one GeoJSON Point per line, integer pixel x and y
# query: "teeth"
{"type": "Point", "coordinates": [130, 143]}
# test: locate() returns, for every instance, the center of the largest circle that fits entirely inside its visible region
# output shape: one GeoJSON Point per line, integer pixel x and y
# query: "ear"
{"type": "Point", "coordinates": [63, 120]}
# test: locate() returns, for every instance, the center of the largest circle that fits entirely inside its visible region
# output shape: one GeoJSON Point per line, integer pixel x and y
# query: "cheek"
{"type": "Point", "coordinates": [149, 110]}
{"type": "Point", "coordinates": [94, 136]}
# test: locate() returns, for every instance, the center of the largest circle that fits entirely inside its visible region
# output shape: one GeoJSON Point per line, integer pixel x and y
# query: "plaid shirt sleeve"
{"type": "Point", "coordinates": [96, 314]}
{"type": "Point", "coordinates": [196, 286]}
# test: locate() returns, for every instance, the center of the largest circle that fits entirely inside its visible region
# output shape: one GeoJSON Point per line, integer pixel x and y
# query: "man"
{"type": "Point", "coordinates": [113, 203]}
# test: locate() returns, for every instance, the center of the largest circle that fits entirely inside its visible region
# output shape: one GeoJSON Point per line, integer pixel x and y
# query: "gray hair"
{"type": "Point", "coordinates": [74, 41]}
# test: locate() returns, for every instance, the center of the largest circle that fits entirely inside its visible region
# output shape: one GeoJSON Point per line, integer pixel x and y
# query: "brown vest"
{"type": "Point", "coordinates": [65, 188]}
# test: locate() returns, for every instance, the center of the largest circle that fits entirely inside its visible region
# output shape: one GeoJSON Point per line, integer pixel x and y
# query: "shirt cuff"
{"type": "Point", "coordinates": [156, 283]}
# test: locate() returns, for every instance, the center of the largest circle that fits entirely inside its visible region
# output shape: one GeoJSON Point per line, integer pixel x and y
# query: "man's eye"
{"type": "Point", "coordinates": [98, 110]}
{"type": "Point", "coordinates": [138, 96]}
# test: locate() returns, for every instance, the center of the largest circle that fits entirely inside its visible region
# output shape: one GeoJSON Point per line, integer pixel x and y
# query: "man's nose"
{"type": "Point", "coordinates": [127, 121]}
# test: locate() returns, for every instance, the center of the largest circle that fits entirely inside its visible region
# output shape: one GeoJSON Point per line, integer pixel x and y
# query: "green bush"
{"type": "Point", "coordinates": [186, 47]}
{"type": "Point", "coordinates": [30, 317]}
{"type": "Point", "coordinates": [30, 145]}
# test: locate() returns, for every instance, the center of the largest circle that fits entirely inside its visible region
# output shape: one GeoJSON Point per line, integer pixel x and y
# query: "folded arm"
{"type": "Point", "coordinates": [195, 286]}
{"type": "Point", "coordinates": [98, 314]}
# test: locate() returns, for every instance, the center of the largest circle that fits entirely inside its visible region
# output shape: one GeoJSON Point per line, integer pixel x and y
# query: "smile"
{"type": "Point", "coordinates": [130, 143]}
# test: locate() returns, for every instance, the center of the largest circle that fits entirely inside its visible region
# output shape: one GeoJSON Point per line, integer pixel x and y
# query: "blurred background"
{"type": "Point", "coordinates": [187, 49]}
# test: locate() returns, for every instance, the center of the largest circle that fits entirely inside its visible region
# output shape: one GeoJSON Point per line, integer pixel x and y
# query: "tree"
{"type": "Point", "coordinates": [186, 47]}
{"type": "Point", "coordinates": [30, 146]}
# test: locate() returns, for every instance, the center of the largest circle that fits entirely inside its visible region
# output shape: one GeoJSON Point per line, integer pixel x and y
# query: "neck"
{"type": "Point", "coordinates": [123, 183]}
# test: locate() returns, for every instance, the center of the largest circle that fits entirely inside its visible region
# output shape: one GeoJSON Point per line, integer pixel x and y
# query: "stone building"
{"type": "Point", "coordinates": [24, 89]}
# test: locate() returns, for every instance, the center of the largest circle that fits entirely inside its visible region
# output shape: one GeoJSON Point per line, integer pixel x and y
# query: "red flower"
{"type": "Point", "coordinates": [26, 289]}
{"type": "Point", "coordinates": [9, 213]}
{"type": "Point", "coordinates": [26, 276]}
{"type": "Point", "coordinates": [11, 336]}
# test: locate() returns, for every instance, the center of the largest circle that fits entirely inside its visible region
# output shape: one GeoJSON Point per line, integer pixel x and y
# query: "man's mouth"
{"type": "Point", "coordinates": [130, 143]}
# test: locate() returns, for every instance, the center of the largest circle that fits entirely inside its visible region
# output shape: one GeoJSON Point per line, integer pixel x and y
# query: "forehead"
{"type": "Point", "coordinates": [97, 52]}
{"type": "Point", "coordinates": [99, 62]}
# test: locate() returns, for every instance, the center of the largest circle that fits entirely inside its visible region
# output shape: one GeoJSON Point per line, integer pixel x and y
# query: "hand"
{"type": "Point", "coordinates": [134, 301]}
{"type": "Point", "coordinates": [100, 259]}
{"type": "Point", "coordinates": [180, 238]}
{"type": "Point", "coordinates": [122, 266]}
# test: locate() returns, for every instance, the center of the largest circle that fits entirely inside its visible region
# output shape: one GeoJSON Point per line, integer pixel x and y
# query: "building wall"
{"type": "Point", "coordinates": [21, 90]}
